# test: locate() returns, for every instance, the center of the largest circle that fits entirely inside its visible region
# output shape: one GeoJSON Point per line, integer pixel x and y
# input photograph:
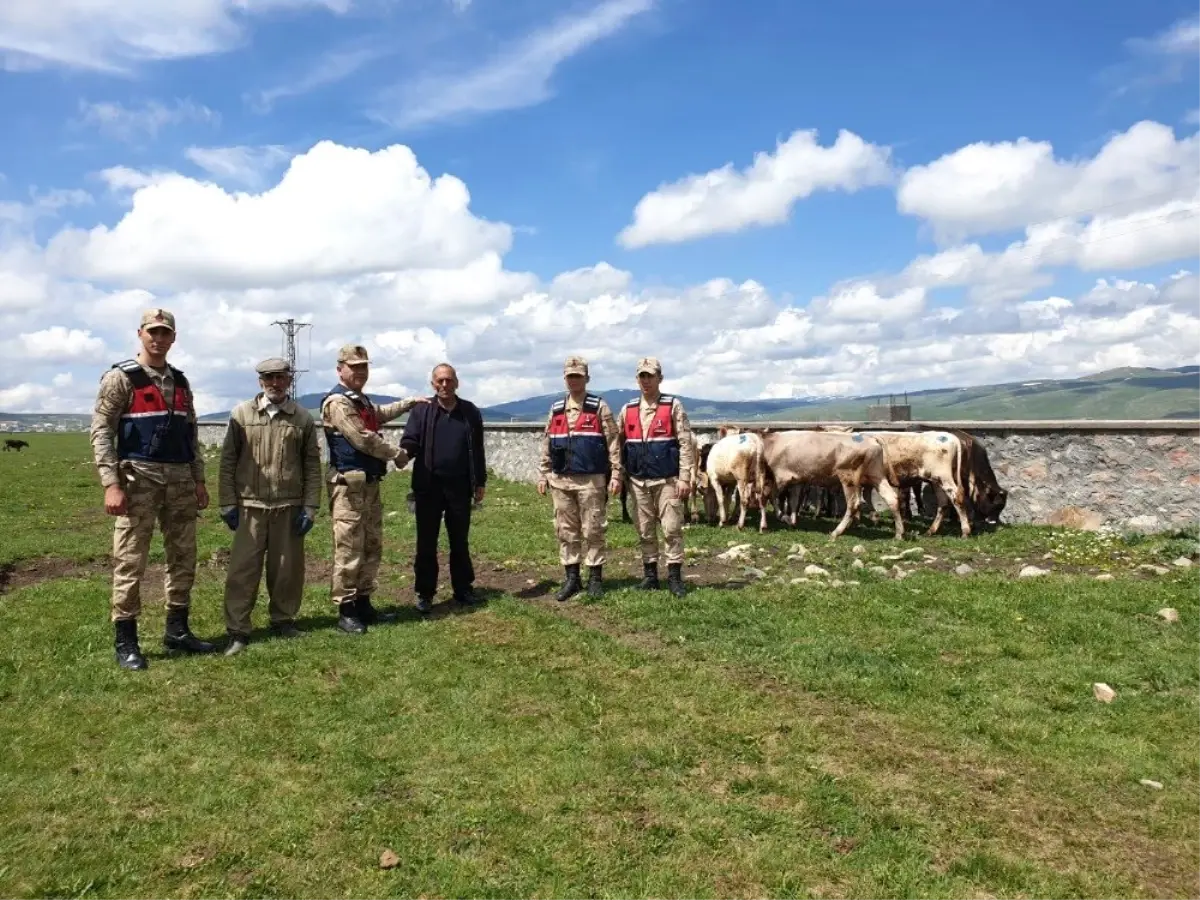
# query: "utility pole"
{"type": "Point", "coordinates": [291, 328]}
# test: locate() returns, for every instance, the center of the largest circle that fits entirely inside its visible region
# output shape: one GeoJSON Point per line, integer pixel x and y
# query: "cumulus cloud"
{"type": "Point", "coordinates": [726, 200]}
{"type": "Point", "coordinates": [116, 35]}
{"type": "Point", "coordinates": [245, 166]}
{"type": "Point", "coordinates": [337, 212]}
{"type": "Point", "coordinates": [368, 247]}
{"type": "Point", "coordinates": [994, 187]}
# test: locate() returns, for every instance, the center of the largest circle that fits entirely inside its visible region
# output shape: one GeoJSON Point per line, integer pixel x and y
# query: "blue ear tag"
{"type": "Point", "coordinates": [857, 438]}
{"type": "Point", "coordinates": [942, 438]}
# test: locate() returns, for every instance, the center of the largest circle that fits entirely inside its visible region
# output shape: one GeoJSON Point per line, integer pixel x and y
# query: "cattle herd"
{"type": "Point", "coordinates": [833, 472]}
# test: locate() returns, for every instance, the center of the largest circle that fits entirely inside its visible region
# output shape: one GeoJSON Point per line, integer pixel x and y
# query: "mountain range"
{"type": "Point", "coordinates": [1128, 393]}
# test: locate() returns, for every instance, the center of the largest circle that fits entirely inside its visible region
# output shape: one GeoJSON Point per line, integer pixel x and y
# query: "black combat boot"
{"type": "Point", "coordinates": [571, 586]}
{"type": "Point", "coordinates": [595, 582]}
{"type": "Point", "coordinates": [369, 615]}
{"type": "Point", "coordinates": [348, 620]}
{"type": "Point", "coordinates": [129, 654]}
{"type": "Point", "coordinates": [649, 580]}
{"type": "Point", "coordinates": [675, 579]}
{"type": "Point", "coordinates": [178, 638]}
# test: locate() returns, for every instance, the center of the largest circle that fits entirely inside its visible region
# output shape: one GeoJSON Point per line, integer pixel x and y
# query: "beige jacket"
{"type": "Point", "coordinates": [268, 461]}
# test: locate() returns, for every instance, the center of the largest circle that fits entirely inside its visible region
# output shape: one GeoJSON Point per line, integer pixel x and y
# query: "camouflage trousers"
{"type": "Point", "coordinates": [654, 505]}
{"type": "Point", "coordinates": [264, 536]}
{"type": "Point", "coordinates": [580, 503]}
{"type": "Point", "coordinates": [357, 514]}
{"type": "Point", "coordinates": [172, 504]}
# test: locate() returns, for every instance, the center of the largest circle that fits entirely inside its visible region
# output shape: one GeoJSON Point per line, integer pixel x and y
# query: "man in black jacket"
{"type": "Point", "coordinates": [445, 441]}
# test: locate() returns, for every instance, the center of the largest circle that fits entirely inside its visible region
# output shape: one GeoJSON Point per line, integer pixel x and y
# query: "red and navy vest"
{"type": "Point", "coordinates": [343, 455]}
{"type": "Point", "coordinates": [150, 430]}
{"type": "Point", "coordinates": [582, 450]}
{"type": "Point", "coordinates": [652, 455]}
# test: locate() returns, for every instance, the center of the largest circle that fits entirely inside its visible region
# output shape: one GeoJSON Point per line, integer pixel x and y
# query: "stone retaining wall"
{"type": "Point", "coordinates": [1134, 474]}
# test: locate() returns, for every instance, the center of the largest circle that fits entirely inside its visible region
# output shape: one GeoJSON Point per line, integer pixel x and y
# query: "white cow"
{"type": "Point", "coordinates": [736, 460]}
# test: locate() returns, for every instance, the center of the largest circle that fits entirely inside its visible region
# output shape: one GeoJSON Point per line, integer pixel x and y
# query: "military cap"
{"type": "Point", "coordinates": [649, 364]}
{"type": "Point", "coordinates": [353, 355]}
{"type": "Point", "coordinates": [158, 318]}
{"type": "Point", "coordinates": [273, 366]}
{"type": "Point", "coordinates": [575, 365]}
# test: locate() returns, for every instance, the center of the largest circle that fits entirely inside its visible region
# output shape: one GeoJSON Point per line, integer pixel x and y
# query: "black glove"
{"type": "Point", "coordinates": [231, 518]}
{"type": "Point", "coordinates": [302, 522]}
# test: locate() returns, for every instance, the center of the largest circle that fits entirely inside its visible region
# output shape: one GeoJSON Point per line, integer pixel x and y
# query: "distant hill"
{"type": "Point", "coordinates": [1125, 393]}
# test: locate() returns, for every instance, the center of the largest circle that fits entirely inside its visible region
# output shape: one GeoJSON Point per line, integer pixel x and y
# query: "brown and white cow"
{"type": "Point", "coordinates": [850, 462]}
{"type": "Point", "coordinates": [933, 456]}
{"type": "Point", "coordinates": [736, 461]}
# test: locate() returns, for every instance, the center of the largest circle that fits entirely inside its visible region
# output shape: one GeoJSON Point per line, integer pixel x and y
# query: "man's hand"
{"type": "Point", "coordinates": [479, 495]}
{"type": "Point", "coordinates": [230, 517]}
{"type": "Point", "coordinates": [542, 486]}
{"type": "Point", "coordinates": [418, 399]}
{"type": "Point", "coordinates": [114, 500]}
{"type": "Point", "coordinates": [614, 487]}
{"type": "Point", "coordinates": [400, 459]}
{"type": "Point", "coordinates": [683, 489]}
{"type": "Point", "coordinates": [201, 496]}
{"type": "Point", "coordinates": [303, 522]}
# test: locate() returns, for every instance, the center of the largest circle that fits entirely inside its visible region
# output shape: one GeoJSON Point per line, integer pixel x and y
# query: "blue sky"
{"type": "Point", "coordinates": [560, 118]}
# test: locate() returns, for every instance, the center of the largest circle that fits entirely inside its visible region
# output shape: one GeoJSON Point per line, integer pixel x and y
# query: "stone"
{"type": "Point", "coordinates": [815, 570]}
{"type": "Point", "coordinates": [753, 572]}
{"type": "Point", "coordinates": [858, 549]}
{"type": "Point", "coordinates": [735, 552]}
{"type": "Point", "coordinates": [878, 570]}
{"type": "Point", "coordinates": [1077, 517]}
{"type": "Point", "coordinates": [1106, 576]}
{"type": "Point", "coordinates": [1035, 472]}
{"type": "Point", "coordinates": [1103, 692]}
{"type": "Point", "coordinates": [1168, 614]}
{"type": "Point", "coordinates": [929, 559]}
{"type": "Point", "coordinates": [801, 581]}
{"type": "Point", "coordinates": [388, 860]}
{"type": "Point", "coordinates": [857, 564]}
{"type": "Point", "coordinates": [1153, 569]}
{"type": "Point", "coordinates": [798, 550]}
{"type": "Point", "coordinates": [1182, 563]}
{"type": "Point", "coordinates": [963, 569]}
{"type": "Point", "coordinates": [1153, 785]}
{"type": "Point", "coordinates": [1144, 524]}
{"type": "Point", "coordinates": [1032, 572]}
{"type": "Point", "coordinates": [903, 554]}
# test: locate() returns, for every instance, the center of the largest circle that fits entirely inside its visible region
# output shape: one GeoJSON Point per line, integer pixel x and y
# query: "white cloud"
{"type": "Point", "coordinates": [247, 166]}
{"type": "Point", "coordinates": [861, 302]}
{"type": "Point", "coordinates": [1182, 38]}
{"type": "Point", "coordinates": [519, 76]}
{"type": "Point", "coordinates": [115, 35]}
{"type": "Point", "coordinates": [335, 66]}
{"type": "Point", "coordinates": [337, 212]}
{"type": "Point", "coordinates": [135, 123]}
{"type": "Point", "coordinates": [994, 187]}
{"type": "Point", "coordinates": [57, 344]}
{"type": "Point", "coordinates": [725, 200]}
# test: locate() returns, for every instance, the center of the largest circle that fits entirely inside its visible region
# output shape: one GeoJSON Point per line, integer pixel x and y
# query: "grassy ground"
{"type": "Point", "coordinates": [931, 734]}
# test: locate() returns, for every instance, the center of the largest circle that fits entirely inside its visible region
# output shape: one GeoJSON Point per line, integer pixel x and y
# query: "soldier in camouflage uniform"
{"type": "Point", "coordinates": [144, 440]}
{"type": "Point", "coordinates": [269, 491]}
{"type": "Point", "coordinates": [657, 454]}
{"type": "Point", "coordinates": [582, 441]}
{"type": "Point", "coordinates": [358, 458]}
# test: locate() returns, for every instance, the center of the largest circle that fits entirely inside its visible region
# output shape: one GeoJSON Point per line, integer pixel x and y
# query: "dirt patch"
{"type": "Point", "coordinates": [14, 576]}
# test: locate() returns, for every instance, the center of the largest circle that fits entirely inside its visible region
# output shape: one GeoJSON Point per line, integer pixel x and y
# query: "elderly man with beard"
{"type": "Point", "coordinates": [269, 493]}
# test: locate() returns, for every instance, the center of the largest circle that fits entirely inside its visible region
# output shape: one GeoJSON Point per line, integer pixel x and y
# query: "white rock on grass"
{"type": "Point", "coordinates": [1169, 614]}
{"type": "Point", "coordinates": [858, 564]}
{"type": "Point", "coordinates": [903, 554]}
{"type": "Point", "coordinates": [798, 551]}
{"type": "Point", "coordinates": [1150, 783]}
{"type": "Point", "coordinates": [963, 569]}
{"type": "Point", "coordinates": [1157, 570]}
{"type": "Point", "coordinates": [878, 570]}
{"type": "Point", "coordinates": [1032, 572]}
{"type": "Point", "coordinates": [1103, 692]}
{"type": "Point", "coordinates": [858, 549]}
{"type": "Point", "coordinates": [815, 570]}
{"type": "Point", "coordinates": [1182, 563]}
{"type": "Point", "coordinates": [737, 551]}
{"type": "Point", "coordinates": [1106, 576]}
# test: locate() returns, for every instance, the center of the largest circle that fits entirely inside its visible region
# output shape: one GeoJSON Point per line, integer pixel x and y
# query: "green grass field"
{"type": "Point", "coordinates": [933, 735]}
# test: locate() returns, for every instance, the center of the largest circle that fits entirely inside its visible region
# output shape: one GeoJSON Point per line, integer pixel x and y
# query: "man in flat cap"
{"type": "Point", "coordinates": [269, 491]}
{"type": "Point", "coordinates": [145, 444]}
{"type": "Point", "coordinates": [358, 458]}
{"type": "Point", "coordinates": [581, 443]}
{"type": "Point", "coordinates": [657, 453]}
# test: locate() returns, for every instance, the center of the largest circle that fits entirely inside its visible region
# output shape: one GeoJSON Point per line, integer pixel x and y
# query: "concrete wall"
{"type": "Point", "coordinates": [1134, 474]}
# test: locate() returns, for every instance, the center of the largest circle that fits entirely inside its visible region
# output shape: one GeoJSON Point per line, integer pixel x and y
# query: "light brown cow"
{"type": "Point", "coordinates": [848, 461]}
{"type": "Point", "coordinates": [933, 456]}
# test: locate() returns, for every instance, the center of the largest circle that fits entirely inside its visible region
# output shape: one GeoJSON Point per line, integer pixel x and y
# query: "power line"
{"type": "Point", "coordinates": [291, 328]}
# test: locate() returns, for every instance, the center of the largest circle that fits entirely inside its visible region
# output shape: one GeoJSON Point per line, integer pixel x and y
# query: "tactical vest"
{"type": "Point", "coordinates": [583, 450]}
{"type": "Point", "coordinates": [150, 430]}
{"type": "Point", "coordinates": [343, 455]}
{"type": "Point", "coordinates": [652, 455]}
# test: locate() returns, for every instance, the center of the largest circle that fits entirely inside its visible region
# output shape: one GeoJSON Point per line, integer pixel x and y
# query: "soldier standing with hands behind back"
{"type": "Point", "coordinates": [145, 443]}
{"type": "Point", "coordinates": [581, 443]}
{"type": "Point", "coordinates": [657, 453]}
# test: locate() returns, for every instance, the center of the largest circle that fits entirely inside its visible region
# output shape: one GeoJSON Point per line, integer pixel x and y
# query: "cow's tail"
{"type": "Point", "coordinates": [760, 473]}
